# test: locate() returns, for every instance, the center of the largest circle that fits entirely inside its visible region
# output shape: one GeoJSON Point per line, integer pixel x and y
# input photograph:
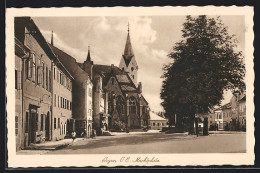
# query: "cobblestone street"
{"type": "Point", "coordinates": [155, 142]}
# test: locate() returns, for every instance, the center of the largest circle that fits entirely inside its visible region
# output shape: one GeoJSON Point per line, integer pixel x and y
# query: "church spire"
{"type": "Point", "coordinates": [52, 37]}
{"type": "Point", "coordinates": [128, 53]}
{"type": "Point", "coordinates": [88, 57]}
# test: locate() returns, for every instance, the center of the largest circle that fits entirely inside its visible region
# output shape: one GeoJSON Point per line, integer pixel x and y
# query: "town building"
{"type": "Point", "coordinates": [62, 122]}
{"type": "Point", "coordinates": [21, 52]}
{"type": "Point", "coordinates": [227, 113]}
{"type": "Point", "coordinates": [98, 95]}
{"type": "Point", "coordinates": [36, 83]}
{"type": "Point", "coordinates": [157, 122]}
{"type": "Point", "coordinates": [219, 119]}
{"type": "Point", "coordinates": [82, 107]}
{"type": "Point", "coordinates": [238, 107]}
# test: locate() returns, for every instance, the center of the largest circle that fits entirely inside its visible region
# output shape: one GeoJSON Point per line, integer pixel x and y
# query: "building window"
{"type": "Point", "coordinates": [162, 124]}
{"type": "Point", "coordinates": [133, 121]}
{"type": "Point", "coordinates": [36, 122]}
{"type": "Point", "coordinates": [16, 125]}
{"type": "Point", "coordinates": [39, 72]}
{"type": "Point", "coordinates": [16, 79]}
{"type": "Point", "coordinates": [144, 109]}
{"type": "Point", "coordinates": [27, 122]}
{"type": "Point", "coordinates": [153, 124]}
{"type": "Point", "coordinates": [61, 129]}
{"type": "Point", "coordinates": [58, 122]}
{"type": "Point", "coordinates": [49, 80]}
{"type": "Point", "coordinates": [43, 74]}
{"type": "Point", "coordinates": [61, 104]}
{"type": "Point", "coordinates": [54, 73]}
{"type": "Point", "coordinates": [41, 122]}
{"type": "Point", "coordinates": [65, 105]}
{"type": "Point", "coordinates": [54, 100]}
{"type": "Point", "coordinates": [29, 68]}
{"type": "Point", "coordinates": [132, 105]}
{"type": "Point", "coordinates": [158, 124]}
{"type": "Point", "coordinates": [58, 101]}
{"type": "Point", "coordinates": [68, 104]}
{"type": "Point", "coordinates": [55, 123]}
{"type": "Point", "coordinates": [47, 77]}
{"type": "Point", "coordinates": [33, 68]}
{"type": "Point", "coordinates": [58, 76]}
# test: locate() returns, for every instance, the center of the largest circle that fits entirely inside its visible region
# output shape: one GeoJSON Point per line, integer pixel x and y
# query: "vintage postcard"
{"type": "Point", "coordinates": [130, 86]}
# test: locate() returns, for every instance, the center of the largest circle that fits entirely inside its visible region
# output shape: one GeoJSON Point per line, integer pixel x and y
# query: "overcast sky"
{"type": "Point", "coordinates": [151, 37]}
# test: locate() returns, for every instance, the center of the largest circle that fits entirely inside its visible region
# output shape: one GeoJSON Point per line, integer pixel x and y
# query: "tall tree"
{"type": "Point", "coordinates": [204, 65]}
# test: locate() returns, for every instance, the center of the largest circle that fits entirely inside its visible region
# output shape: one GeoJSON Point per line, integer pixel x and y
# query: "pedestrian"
{"type": "Point", "coordinates": [73, 135]}
{"type": "Point", "coordinates": [93, 133]}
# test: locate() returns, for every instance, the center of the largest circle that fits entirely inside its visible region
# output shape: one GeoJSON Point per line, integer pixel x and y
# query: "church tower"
{"type": "Point", "coordinates": [128, 62]}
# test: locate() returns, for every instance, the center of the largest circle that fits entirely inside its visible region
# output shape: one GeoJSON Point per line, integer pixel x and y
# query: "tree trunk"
{"type": "Point", "coordinates": [197, 126]}
{"type": "Point", "coordinates": [191, 129]}
{"type": "Point", "coordinates": [205, 127]}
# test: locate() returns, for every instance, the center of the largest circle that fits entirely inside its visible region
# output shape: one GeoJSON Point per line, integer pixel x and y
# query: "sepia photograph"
{"type": "Point", "coordinates": [161, 86]}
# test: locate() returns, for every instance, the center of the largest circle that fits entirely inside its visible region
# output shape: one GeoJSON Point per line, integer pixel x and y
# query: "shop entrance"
{"type": "Point", "coordinates": [32, 126]}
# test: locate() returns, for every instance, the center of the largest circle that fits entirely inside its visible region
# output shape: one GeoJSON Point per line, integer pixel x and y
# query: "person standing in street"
{"type": "Point", "coordinates": [73, 135]}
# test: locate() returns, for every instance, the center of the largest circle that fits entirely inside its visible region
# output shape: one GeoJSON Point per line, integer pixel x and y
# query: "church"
{"type": "Point", "coordinates": [125, 102]}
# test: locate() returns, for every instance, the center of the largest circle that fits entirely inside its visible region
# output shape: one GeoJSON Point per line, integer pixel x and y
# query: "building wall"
{"type": "Point", "coordinates": [37, 95]}
{"type": "Point", "coordinates": [62, 104]}
{"type": "Point", "coordinates": [158, 124]}
{"type": "Point", "coordinates": [132, 69]}
{"type": "Point", "coordinates": [242, 113]}
{"type": "Point", "coordinates": [227, 118]}
{"type": "Point", "coordinates": [89, 106]}
{"type": "Point", "coordinates": [219, 119]}
{"type": "Point", "coordinates": [18, 102]}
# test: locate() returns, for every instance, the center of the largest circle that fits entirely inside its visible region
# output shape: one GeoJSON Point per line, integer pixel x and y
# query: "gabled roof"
{"type": "Point", "coordinates": [124, 81]}
{"type": "Point", "coordinates": [155, 117]}
{"type": "Point", "coordinates": [226, 106]}
{"type": "Point", "coordinates": [70, 63]}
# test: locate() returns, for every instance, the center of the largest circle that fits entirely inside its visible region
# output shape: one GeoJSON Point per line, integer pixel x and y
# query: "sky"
{"type": "Point", "coordinates": [152, 38]}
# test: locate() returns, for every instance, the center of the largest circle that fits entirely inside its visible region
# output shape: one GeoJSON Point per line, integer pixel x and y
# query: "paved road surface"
{"type": "Point", "coordinates": [149, 143]}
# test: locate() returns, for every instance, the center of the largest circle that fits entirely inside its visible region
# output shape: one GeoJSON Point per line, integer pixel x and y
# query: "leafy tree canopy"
{"type": "Point", "coordinates": [204, 65]}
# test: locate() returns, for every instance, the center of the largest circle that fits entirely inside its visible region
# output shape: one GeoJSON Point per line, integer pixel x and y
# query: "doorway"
{"type": "Point", "coordinates": [32, 126]}
{"type": "Point", "coordinates": [47, 127]}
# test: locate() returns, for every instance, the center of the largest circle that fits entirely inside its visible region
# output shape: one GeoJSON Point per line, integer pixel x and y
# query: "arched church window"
{"type": "Point", "coordinates": [120, 105]}
{"type": "Point", "coordinates": [132, 68]}
{"type": "Point", "coordinates": [132, 105]}
{"type": "Point", "coordinates": [113, 81]}
{"type": "Point", "coordinates": [110, 102]}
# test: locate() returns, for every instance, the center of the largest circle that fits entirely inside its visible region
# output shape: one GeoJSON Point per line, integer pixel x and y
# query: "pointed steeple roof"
{"type": "Point", "coordinates": [88, 57]}
{"type": "Point", "coordinates": [128, 53]}
{"type": "Point", "coordinates": [52, 37]}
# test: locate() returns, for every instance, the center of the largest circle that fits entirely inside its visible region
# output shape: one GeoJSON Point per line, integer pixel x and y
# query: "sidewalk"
{"type": "Point", "coordinates": [52, 145]}
{"type": "Point", "coordinates": [226, 132]}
